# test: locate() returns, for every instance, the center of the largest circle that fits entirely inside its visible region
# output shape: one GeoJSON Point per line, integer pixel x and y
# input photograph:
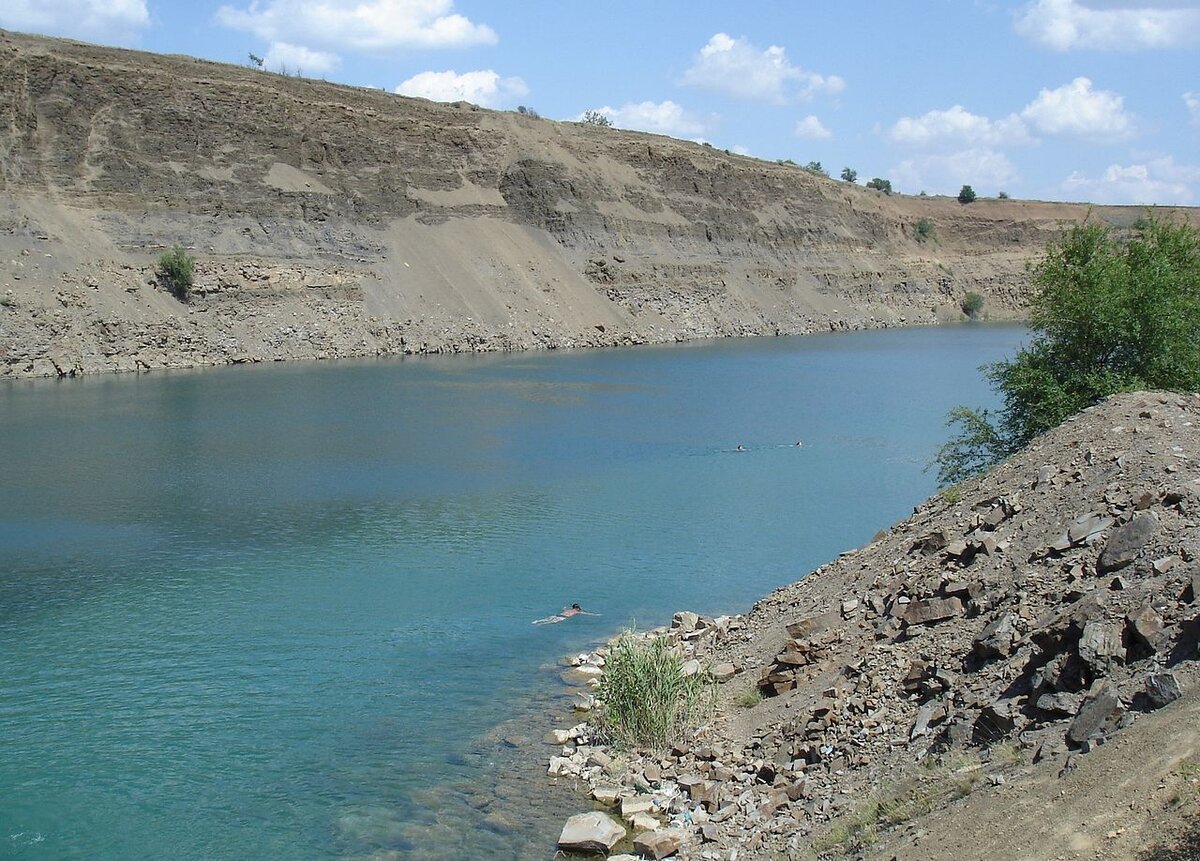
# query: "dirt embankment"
{"type": "Point", "coordinates": [1010, 673]}
{"type": "Point", "coordinates": [334, 221]}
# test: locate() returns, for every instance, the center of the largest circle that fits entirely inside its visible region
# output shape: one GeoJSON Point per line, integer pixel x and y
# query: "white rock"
{"type": "Point", "coordinates": [591, 832]}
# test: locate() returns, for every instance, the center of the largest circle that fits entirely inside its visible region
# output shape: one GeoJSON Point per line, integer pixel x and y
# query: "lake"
{"type": "Point", "coordinates": [278, 611]}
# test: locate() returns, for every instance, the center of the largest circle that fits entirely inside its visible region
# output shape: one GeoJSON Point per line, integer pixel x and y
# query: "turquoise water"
{"type": "Point", "coordinates": [269, 612]}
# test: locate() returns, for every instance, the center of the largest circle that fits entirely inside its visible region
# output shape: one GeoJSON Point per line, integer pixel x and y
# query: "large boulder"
{"type": "Point", "coordinates": [591, 832]}
{"type": "Point", "coordinates": [1123, 545]}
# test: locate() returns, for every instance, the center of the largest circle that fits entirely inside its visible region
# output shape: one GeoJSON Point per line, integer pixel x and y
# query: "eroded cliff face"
{"type": "Point", "coordinates": [333, 221]}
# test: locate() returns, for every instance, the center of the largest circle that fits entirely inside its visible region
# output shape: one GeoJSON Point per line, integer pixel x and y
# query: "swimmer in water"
{"type": "Point", "coordinates": [564, 614]}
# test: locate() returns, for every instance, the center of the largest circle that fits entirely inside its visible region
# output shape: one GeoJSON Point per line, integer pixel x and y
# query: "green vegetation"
{"type": "Point", "coordinates": [175, 270]}
{"type": "Point", "coordinates": [646, 698]}
{"type": "Point", "coordinates": [966, 194]}
{"type": "Point", "coordinates": [923, 230]}
{"type": "Point", "coordinates": [849, 174]}
{"type": "Point", "coordinates": [1003, 195]}
{"type": "Point", "coordinates": [816, 167]}
{"type": "Point", "coordinates": [525, 111]}
{"type": "Point", "coordinates": [880, 184]}
{"type": "Point", "coordinates": [1110, 313]}
{"type": "Point", "coordinates": [972, 304]}
{"type": "Point", "coordinates": [787, 161]}
{"type": "Point", "coordinates": [749, 698]}
{"type": "Point", "coordinates": [943, 781]}
{"type": "Point", "coordinates": [595, 118]}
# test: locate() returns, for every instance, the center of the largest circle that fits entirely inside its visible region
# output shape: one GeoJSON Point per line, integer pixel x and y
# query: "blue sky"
{"type": "Point", "coordinates": [1089, 100]}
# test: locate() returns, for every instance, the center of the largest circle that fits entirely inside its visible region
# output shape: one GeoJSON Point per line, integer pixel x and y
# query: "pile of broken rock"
{"type": "Point", "coordinates": [1039, 608]}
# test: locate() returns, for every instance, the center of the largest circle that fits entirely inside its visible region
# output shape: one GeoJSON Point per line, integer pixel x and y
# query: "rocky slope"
{"type": "Point", "coordinates": [1009, 673]}
{"type": "Point", "coordinates": [334, 221]}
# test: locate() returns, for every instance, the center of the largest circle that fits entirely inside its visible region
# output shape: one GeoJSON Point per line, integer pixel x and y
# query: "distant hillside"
{"type": "Point", "coordinates": [334, 221]}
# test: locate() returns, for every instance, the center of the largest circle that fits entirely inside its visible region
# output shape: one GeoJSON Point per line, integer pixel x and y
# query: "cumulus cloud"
{"type": "Point", "coordinates": [1158, 181]}
{"type": "Point", "coordinates": [358, 25]}
{"type": "Point", "coordinates": [114, 21]}
{"type": "Point", "coordinates": [664, 118]}
{"type": "Point", "coordinates": [1077, 110]}
{"type": "Point", "coordinates": [296, 59]}
{"type": "Point", "coordinates": [1064, 25]}
{"type": "Point", "coordinates": [958, 125]}
{"type": "Point", "coordinates": [483, 87]}
{"type": "Point", "coordinates": [738, 68]}
{"type": "Point", "coordinates": [947, 173]}
{"type": "Point", "coordinates": [810, 128]}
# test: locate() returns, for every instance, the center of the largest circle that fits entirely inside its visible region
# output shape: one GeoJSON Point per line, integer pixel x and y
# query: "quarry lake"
{"type": "Point", "coordinates": [279, 612]}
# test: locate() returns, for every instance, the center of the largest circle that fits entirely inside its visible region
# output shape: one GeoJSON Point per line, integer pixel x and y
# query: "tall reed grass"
{"type": "Point", "coordinates": [646, 699]}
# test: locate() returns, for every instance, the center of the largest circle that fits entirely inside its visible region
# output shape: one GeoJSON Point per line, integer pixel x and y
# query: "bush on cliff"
{"type": "Point", "coordinates": [645, 697]}
{"type": "Point", "coordinates": [175, 270]}
{"type": "Point", "coordinates": [1110, 313]}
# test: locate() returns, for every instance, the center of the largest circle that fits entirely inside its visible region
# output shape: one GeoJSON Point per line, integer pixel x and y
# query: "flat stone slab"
{"type": "Point", "coordinates": [930, 610]}
{"type": "Point", "coordinates": [591, 832]}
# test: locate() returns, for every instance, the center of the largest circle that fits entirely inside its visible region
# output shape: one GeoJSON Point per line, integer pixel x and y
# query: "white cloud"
{"type": "Point", "coordinates": [664, 118]}
{"type": "Point", "coordinates": [1192, 100]}
{"type": "Point", "coordinates": [296, 59]}
{"type": "Point", "coordinates": [738, 68]}
{"type": "Point", "coordinates": [810, 128]}
{"type": "Point", "coordinates": [358, 25]}
{"type": "Point", "coordinates": [1064, 25]}
{"type": "Point", "coordinates": [1158, 181]}
{"type": "Point", "coordinates": [958, 125]}
{"type": "Point", "coordinates": [1076, 110]}
{"type": "Point", "coordinates": [116, 21]}
{"type": "Point", "coordinates": [483, 87]}
{"type": "Point", "coordinates": [981, 168]}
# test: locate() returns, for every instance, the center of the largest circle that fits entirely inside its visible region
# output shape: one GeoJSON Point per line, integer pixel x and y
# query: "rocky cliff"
{"type": "Point", "coordinates": [333, 221]}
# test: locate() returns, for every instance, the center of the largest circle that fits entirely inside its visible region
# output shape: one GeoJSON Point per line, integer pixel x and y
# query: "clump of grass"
{"type": "Point", "coordinates": [952, 494]}
{"type": "Point", "coordinates": [748, 698]}
{"type": "Point", "coordinates": [923, 230]}
{"type": "Point", "coordinates": [645, 697]}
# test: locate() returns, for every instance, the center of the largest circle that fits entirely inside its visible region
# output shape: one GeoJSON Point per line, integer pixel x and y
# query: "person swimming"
{"type": "Point", "coordinates": [564, 614]}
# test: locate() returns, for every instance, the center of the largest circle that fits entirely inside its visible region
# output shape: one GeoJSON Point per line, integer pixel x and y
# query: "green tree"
{"type": "Point", "coordinates": [175, 270]}
{"type": "Point", "coordinates": [849, 174]}
{"type": "Point", "coordinates": [972, 304]}
{"type": "Point", "coordinates": [966, 194]}
{"type": "Point", "coordinates": [816, 167]}
{"type": "Point", "coordinates": [879, 184]}
{"type": "Point", "coordinates": [1110, 313]}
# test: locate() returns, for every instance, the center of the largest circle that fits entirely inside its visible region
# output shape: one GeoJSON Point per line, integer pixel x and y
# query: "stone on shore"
{"type": "Point", "coordinates": [591, 832]}
{"type": "Point", "coordinates": [659, 844]}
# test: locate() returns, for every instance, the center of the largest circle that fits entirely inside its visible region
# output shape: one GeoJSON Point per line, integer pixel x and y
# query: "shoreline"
{"type": "Point", "coordinates": [871, 325]}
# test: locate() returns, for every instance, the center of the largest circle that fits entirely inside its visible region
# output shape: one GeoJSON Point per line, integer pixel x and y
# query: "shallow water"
{"type": "Point", "coordinates": [274, 612]}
